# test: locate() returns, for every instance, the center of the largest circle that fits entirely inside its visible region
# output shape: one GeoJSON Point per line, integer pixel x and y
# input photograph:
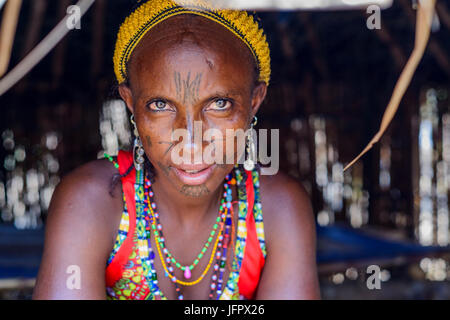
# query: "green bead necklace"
{"type": "Point", "coordinates": [157, 229]}
{"type": "Point", "coordinates": [107, 156]}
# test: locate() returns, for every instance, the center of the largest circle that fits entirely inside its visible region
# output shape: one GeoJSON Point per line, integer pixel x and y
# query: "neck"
{"type": "Point", "coordinates": [187, 208]}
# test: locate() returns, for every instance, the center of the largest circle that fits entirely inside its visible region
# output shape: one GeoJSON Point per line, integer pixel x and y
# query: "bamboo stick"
{"type": "Point", "coordinates": [424, 19]}
{"type": "Point", "coordinates": [7, 32]}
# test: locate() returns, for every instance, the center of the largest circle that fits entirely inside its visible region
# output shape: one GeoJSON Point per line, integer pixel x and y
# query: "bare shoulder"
{"type": "Point", "coordinates": [95, 175]}
{"type": "Point", "coordinates": [91, 182]}
{"type": "Point", "coordinates": [84, 194]}
{"type": "Point", "coordinates": [285, 204]}
{"type": "Point", "coordinates": [290, 270]}
{"type": "Point", "coordinates": [284, 197]}
{"type": "Point", "coordinates": [284, 187]}
{"type": "Point", "coordinates": [80, 231]}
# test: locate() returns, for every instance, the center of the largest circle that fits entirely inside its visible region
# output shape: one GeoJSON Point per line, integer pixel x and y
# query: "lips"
{"type": "Point", "coordinates": [194, 174]}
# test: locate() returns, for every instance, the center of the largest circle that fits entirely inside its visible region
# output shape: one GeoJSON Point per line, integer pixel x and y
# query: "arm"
{"type": "Point", "coordinates": [290, 270]}
{"type": "Point", "coordinates": [78, 236]}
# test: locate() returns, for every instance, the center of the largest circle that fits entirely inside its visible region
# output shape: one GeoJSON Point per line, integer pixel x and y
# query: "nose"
{"type": "Point", "coordinates": [194, 151]}
{"type": "Point", "coordinates": [192, 140]}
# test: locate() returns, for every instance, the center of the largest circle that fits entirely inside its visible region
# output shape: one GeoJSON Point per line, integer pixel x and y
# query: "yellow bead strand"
{"type": "Point", "coordinates": [207, 267]}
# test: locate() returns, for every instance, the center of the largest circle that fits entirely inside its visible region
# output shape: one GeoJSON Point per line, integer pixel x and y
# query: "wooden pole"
{"type": "Point", "coordinates": [7, 32]}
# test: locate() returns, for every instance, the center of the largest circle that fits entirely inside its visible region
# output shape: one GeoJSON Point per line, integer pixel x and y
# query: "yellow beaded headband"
{"type": "Point", "coordinates": [152, 12]}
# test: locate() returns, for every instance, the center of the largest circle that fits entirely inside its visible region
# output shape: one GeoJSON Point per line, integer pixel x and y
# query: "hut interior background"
{"type": "Point", "coordinates": [332, 78]}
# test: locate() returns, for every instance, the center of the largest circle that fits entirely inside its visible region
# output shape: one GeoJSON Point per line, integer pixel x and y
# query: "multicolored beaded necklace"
{"type": "Point", "coordinates": [223, 240]}
{"type": "Point", "coordinates": [221, 257]}
{"type": "Point", "coordinates": [219, 249]}
{"type": "Point", "coordinates": [157, 229]}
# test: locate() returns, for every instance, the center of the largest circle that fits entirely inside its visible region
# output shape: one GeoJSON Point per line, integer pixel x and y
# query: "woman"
{"type": "Point", "coordinates": [170, 230]}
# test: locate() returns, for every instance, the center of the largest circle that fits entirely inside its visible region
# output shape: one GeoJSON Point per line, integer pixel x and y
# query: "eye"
{"type": "Point", "coordinates": [220, 104]}
{"type": "Point", "coordinates": [158, 105]}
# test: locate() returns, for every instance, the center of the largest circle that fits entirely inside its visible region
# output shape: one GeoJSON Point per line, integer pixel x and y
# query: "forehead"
{"type": "Point", "coordinates": [191, 44]}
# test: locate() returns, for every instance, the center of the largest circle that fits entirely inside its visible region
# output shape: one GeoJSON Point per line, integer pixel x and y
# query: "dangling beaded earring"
{"type": "Point", "coordinates": [138, 149]}
{"type": "Point", "coordinates": [249, 163]}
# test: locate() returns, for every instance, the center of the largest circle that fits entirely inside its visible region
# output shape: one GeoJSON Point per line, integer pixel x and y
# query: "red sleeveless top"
{"type": "Point", "coordinates": [124, 279]}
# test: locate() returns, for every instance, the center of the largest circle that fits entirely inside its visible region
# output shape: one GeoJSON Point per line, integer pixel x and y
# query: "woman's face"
{"type": "Point", "coordinates": [192, 74]}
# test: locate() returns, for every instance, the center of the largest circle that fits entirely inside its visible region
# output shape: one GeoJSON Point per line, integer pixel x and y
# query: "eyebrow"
{"type": "Point", "coordinates": [233, 93]}
{"type": "Point", "coordinates": [228, 93]}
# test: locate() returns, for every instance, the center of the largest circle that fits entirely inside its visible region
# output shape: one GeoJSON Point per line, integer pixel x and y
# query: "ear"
{"type": "Point", "coordinates": [127, 96]}
{"type": "Point", "coordinates": [258, 96]}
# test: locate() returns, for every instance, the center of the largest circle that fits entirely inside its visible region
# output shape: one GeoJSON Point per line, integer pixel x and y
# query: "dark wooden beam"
{"type": "Point", "coordinates": [443, 14]}
{"type": "Point", "coordinates": [60, 50]}
{"type": "Point", "coordinates": [98, 33]}
{"type": "Point", "coordinates": [318, 56]}
{"type": "Point", "coordinates": [33, 32]}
